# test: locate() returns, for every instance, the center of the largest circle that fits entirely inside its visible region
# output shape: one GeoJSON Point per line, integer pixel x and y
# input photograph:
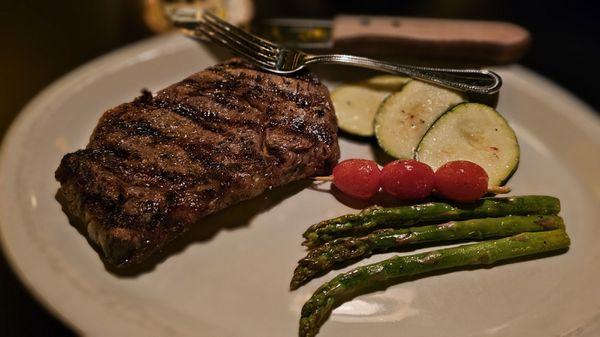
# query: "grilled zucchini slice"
{"type": "Point", "coordinates": [474, 132]}
{"type": "Point", "coordinates": [356, 104]}
{"type": "Point", "coordinates": [405, 116]}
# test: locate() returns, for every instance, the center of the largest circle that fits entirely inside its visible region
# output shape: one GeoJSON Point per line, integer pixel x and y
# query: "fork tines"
{"type": "Point", "coordinates": [256, 49]}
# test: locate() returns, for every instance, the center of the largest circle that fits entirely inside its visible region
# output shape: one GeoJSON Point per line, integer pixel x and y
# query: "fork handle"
{"type": "Point", "coordinates": [479, 81]}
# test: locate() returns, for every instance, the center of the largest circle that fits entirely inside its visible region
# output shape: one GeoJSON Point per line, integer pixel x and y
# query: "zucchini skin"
{"type": "Point", "coordinates": [489, 100]}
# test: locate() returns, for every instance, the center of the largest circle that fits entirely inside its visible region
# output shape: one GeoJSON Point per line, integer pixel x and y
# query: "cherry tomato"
{"type": "Point", "coordinates": [407, 179]}
{"type": "Point", "coordinates": [358, 178]}
{"type": "Point", "coordinates": [461, 180]}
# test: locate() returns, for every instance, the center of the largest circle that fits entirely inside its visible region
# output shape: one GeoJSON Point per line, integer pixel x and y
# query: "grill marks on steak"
{"type": "Point", "coordinates": [155, 166]}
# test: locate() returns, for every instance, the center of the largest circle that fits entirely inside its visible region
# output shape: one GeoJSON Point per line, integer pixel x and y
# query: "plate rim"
{"type": "Point", "coordinates": [138, 51]}
{"type": "Point", "coordinates": [580, 112]}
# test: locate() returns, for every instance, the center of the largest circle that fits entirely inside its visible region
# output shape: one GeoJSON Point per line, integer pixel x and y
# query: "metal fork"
{"type": "Point", "coordinates": [277, 59]}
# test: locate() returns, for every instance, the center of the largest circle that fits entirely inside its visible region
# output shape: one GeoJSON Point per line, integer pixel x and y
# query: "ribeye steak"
{"type": "Point", "coordinates": [155, 166]}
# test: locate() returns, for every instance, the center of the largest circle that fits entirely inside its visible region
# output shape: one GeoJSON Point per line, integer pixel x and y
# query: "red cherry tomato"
{"type": "Point", "coordinates": [407, 179]}
{"type": "Point", "coordinates": [461, 180]}
{"type": "Point", "coordinates": [358, 178]}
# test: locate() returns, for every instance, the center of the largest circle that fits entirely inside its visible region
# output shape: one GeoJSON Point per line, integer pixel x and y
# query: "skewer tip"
{"type": "Point", "coordinates": [323, 178]}
{"type": "Point", "coordinates": [499, 189]}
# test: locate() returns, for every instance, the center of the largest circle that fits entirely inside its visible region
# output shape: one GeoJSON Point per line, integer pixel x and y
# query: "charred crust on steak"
{"type": "Point", "coordinates": [155, 166]}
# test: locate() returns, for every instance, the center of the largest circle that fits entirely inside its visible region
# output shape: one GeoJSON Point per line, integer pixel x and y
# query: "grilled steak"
{"type": "Point", "coordinates": [155, 166]}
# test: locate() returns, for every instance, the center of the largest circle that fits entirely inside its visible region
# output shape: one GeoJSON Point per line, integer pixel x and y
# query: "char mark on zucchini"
{"type": "Point", "coordinates": [405, 116]}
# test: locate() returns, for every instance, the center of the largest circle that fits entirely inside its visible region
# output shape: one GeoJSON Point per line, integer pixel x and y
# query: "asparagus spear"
{"type": "Point", "coordinates": [360, 280]}
{"type": "Point", "coordinates": [405, 216]}
{"type": "Point", "coordinates": [325, 257]}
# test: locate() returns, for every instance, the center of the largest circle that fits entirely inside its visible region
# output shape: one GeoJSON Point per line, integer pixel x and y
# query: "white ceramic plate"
{"type": "Point", "coordinates": [229, 276]}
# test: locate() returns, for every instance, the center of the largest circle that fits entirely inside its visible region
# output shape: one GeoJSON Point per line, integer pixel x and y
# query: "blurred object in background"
{"type": "Point", "coordinates": [239, 12]}
{"type": "Point", "coordinates": [404, 39]}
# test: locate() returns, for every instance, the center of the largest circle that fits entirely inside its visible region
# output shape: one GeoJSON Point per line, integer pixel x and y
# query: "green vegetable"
{"type": "Point", "coordinates": [362, 279]}
{"type": "Point", "coordinates": [405, 116]}
{"type": "Point", "coordinates": [355, 104]}
{"type": "Point", "coordinates": [405, 216]}
{"type": "Point", "coordinates": [325, 257]}
{"type": "Point", "coordinates": [474, 132]}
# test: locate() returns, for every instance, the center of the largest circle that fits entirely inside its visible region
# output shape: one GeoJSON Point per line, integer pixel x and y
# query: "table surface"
{"type": "Point", "coordinates": [44, 40]}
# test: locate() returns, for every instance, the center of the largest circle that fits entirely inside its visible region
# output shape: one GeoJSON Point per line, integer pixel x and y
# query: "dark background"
{"type": "Point", "coordinates": [42, 40]}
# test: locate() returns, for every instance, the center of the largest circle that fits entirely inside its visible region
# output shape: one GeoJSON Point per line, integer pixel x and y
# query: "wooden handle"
{"type": "Point", "coordinates": [485, 42]}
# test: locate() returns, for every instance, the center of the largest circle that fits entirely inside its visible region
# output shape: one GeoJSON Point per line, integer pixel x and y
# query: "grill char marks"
{"type": "Point", "coordinates": [155, 166]}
